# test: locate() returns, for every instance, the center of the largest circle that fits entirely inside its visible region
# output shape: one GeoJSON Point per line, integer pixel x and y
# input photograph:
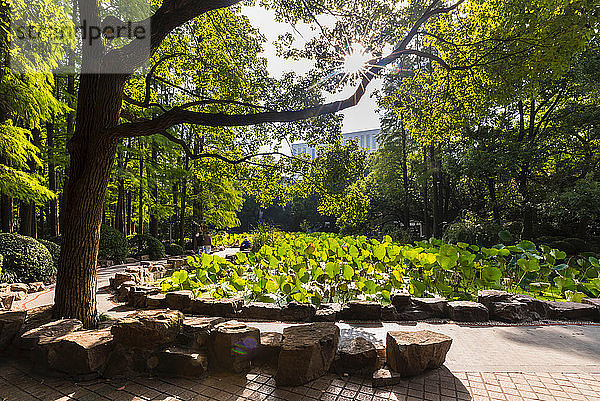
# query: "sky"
{"type": "Point", "coordinates": [357, 118]}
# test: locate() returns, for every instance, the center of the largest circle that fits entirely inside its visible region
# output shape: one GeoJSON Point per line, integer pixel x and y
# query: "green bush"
{"type": "Point", "coordinates": [472, 229]}
{"type": "Point", "coordinates": [174, 250]}
{"type": "Point", "coordinates": [54, 250]}
{"type": "Point", "coordinates": [25, 260]}
{"type": "Point", "coordinates": [113, 244]}
{"type": "Point", "coordinates": [146, 245]}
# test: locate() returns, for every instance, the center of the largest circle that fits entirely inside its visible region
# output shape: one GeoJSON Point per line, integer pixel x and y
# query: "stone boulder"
{"type": "Point", "coordinates": [467, 311]}
{"type": "Point", "coordinates": [592, 301]}
{"type": "Point", "coordinates": [19, 287]}
{"type": "Point", "coordinates": [270, 347]}
{"type": "Point", "coordinates": [511, 311]}
{"type": "Point", "coordinates": [124, 289]}
{"type": "Point", "coordinates": [37, 286]}
{"type": "Point", "coordinates": [139, 293]}
{"type": "Point", "coordinates": [327, 312]}
{"type": "Point", "coordinates": [307, 352]}
{"type": "Point", "coordinates": [389, 313]}
{"type": "Point", "coordinates": [79, 353]}
{"type": "Point", "coordinates": [298, 312]}
{"type": "Point", "coordinates": [413, 313]}
{"type": "Point", "coordinates": [148, 329]}
{"type": "Point", "coordinates": [437, 307]}
{"type": "Point", "coordinates": [127, 361]}
{"type": "Point", "coordinates": [361, 311]}
{"type": "Point", "coordinates": [6, 300]}
{"type": "Point", "coordinates": [122, 277]}
{"type": "Point", "coordinates": [233, 346]}
{"type": "Point", "coordinates": [195, 331]}
{"type": "Point", "coordinates": [386, 377]}
{"type": "Point", "coordinates": [48, 333]}
{"type": "Point", "coordinates": [410, 353]}
{"type": "Point", "coordinates": [158, 301]}
{"type": "Point", "coordinates": [489, 297]}
{"type": "Point", "coordinates": [177, 362]}
{"type": "Point", "coordinates": [261, 311]}
{"type": "Point", "coordinates": [572, 311]}
{"type": "Point", "coordinates": [224, 307]}
{"type": "Point", "coordinates": [180, 300]}
{"type": "Point", "coordinates": [400, 300]}
{"type": "Point", "coordinates": [11, 323]}
{"type": "Point", "coordinates": [356, 354]}
{"type": "Point", "coordinates": [539, 309]}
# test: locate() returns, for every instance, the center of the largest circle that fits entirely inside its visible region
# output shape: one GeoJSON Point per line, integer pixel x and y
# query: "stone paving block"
{"type": "Point", "coordinates": [436, 306]}
{"type": "Point", "coordinates": [261, 311]}
{"type": "Point", "coordinates": [298, 312]}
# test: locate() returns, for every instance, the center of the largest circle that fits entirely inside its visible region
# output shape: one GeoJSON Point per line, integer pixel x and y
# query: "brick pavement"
{"type": "Point", "coordinates": [19, 382]}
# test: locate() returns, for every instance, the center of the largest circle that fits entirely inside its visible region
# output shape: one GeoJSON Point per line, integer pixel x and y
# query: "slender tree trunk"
{"type": "Point", "coordinates": [405, 179]}
{"type": "Point", "coordinates": [129, 228]}
{"type": "Point", "coordinates": [54, 228]}
{"type": "Point", "coordinates": [426, 227]}
{"type": "Point", "coordinates": [491, 184]}
{"type": "Point", "coordinates": [153, 216]}
{"type": "Point", "coordinates": [141, 193]}
{"type": "Point", "coordinates": [182, 207]}
{"type": "Point", "coordinates": [92, 155]}
{"type": "Point", "coordinates": [435, 203]}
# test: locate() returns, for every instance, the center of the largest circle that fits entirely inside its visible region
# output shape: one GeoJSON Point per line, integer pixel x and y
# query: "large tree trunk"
{"type": "Point", "coordinates": [92, 154]}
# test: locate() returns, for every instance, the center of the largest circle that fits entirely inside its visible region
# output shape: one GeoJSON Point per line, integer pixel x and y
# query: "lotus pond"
{"type": "Point", "coordinates": [324, 267]}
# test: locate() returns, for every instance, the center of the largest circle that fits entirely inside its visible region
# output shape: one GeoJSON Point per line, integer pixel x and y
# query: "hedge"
{"type": "Point", "coordinates": [25, 260]}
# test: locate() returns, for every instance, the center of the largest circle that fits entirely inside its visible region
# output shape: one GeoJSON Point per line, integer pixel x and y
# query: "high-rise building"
{"type": "Point", "coordinates": [366, 140]}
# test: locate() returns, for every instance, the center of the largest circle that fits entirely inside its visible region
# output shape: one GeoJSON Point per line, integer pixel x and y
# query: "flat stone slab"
{"type": "Point", "coordinates": [436, 306]}
{"type": "Point", "coordinates": [233, 346]}
{"type": "Point", "coordinates": [572, 311]}
{"type": "Point", "coordinates": [80, 352]}
{"type": "Point", "coordinates": [148, 329]}
{"type": "Point", "coordinates": [488, 297]}
{"type": "Point", "coordinates": [179, 362]}
{"type": "Point", "coordinates": [592, 301]}
{"type": "Point", "coordinates": [400, 299]}
{"type": "Point", "coordinates": [356, 354]}
{"type": "Point", "coordinates": [225, 307]}
{"type": "Point", "coordinates": [11, 323]}
{"type": "Point", "coordinates": [511, 311]}
{"type": "Point", "coordinates": [410, 353]}
{"type": "Point", "coordinates": [361, 311]}
{"type": "Point", "coordinates": [270, 347]}
{"type": "Point", "coordinates": [298, 312]}
{"type": "Point", "coordinates": [467, 311]}
{"type": "Point", "coordinates": [261, 311]}
{"type": "Point", "coordinates": [48, 332]}
{"type": "Point", "coordinates": [307, 353]}
{"type": "Point", "coordinates": [180, 300]}
{"type": "Point", "coordinates": [386, 377]}
{"type": "Point", "coordinates": [195, 331]}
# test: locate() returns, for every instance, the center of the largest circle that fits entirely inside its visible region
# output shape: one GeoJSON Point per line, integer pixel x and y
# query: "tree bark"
{"type": "Point", "coordinates": [182, 207]}
{"type": "Point", "coordinates": [153, 216]}
{"type": "Point", "coordinates": [92, 156]}
{"type": "Point", "coordinates": [426, 228]}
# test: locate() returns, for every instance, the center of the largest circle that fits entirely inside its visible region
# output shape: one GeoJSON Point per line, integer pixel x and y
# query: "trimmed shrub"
{"type": "Point", "coordinates": [472, 229]}
{"type": "Point", "coordinates": [174, 249]}
{"type": "Point", "coordinates": [54, 250]}
{"type": "Point", "coordinates": [25, 260]}
{"type": "Point", "coordinates": [146, 245]}
{"type": "Point", "coordinates": [113, 244]}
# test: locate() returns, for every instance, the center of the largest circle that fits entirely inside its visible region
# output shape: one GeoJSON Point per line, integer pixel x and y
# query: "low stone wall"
{"type": "Point", "coordinates": [492, 305]}
{"type": "Point", "coordinates": [165, 342]}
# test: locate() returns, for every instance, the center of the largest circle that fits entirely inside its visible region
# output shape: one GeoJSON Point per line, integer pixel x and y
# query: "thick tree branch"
{"type": "Point", "coordinates": [178, 115]}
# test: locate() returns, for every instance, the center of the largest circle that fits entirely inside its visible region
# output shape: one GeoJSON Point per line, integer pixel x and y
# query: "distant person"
{"type": "Point", "coordinates": [207, 243]}
{"type": "Point", "coordinates": [245, 245]}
